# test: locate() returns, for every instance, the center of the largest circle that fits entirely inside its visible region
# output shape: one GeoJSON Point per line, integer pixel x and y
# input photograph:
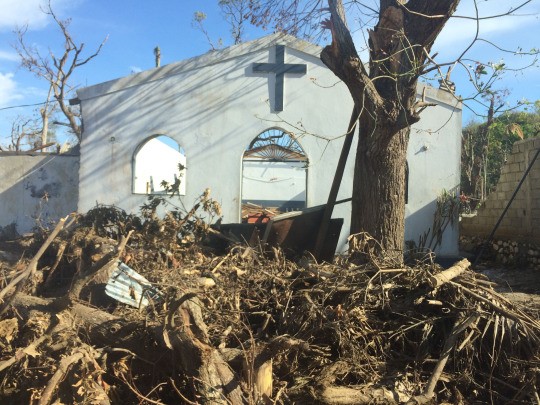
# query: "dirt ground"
{"type": "Point", "coordinates": [519, 285]}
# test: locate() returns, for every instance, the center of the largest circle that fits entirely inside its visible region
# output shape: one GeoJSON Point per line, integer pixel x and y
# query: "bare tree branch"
{"type": "Point", "coordinates": [57, 71]}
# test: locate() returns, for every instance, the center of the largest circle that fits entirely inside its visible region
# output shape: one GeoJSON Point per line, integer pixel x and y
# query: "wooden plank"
{"type": "Point", "coordinates": [338, 177]}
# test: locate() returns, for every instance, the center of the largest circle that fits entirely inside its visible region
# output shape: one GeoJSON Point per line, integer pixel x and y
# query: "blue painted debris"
{"type": "Point", "coordinates": [129, 287]}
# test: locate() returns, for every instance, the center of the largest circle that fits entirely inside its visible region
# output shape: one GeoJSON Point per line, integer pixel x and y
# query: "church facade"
{"type": "Point", "coordinates": [261, 122]}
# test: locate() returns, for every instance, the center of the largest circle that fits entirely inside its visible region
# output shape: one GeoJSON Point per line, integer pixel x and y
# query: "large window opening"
{"type": "Point", "coordinates": [157, 160]}
{"type": "Point", "coordinates": [274, 172]}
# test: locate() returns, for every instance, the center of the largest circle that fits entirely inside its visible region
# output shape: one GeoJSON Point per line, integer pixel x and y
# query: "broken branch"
{"type": "Point", "coordinates": [449, 274]}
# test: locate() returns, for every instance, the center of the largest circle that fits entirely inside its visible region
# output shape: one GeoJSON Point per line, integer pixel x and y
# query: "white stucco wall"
{"type": "Point", "coordinates": [434, 157]}
{"type": "Point", "coordinates": [27, 179]}
{"type": "Point", "coordinates": [214, 105]}
{"type": "Point", "coordinates": [273, 181]}
{"type": "Point", "coordinates": [213, 111]}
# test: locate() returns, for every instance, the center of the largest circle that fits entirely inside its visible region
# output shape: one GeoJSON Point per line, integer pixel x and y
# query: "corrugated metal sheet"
{"type": "Point", "coordinates": [129, 287]}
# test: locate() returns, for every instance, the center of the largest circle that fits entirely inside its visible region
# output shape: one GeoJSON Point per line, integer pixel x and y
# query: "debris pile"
{"type": "Point", "coordinates": [254, 213]}
{"type": "Point", "coordinates": [250, 326]}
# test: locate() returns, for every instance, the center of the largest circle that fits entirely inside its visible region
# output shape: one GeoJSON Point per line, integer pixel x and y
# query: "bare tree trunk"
{"type": "Point", "coordinates": [380, 204]}
{"type": "Point", "coordinates": [385, 95]}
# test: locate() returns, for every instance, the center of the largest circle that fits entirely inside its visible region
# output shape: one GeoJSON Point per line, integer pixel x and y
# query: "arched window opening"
{"type": "Point", "coordinates": [157, 160]}
{"type": "Point", "coordinates": [274, 172]}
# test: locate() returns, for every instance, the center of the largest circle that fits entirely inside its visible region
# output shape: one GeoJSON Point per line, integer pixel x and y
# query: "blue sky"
{"type": "Point", "coordinates": [134, 28]}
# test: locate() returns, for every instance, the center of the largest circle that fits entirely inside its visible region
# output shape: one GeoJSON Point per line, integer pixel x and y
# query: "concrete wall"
{"type": "Point", "coordinates": [434, 157]}
{"type": "Point", "coordinates": [214, 105]}
{"type": "Point", "coordinates": [273, 181]}
{"type": "Point", "coordinates": [37, 188]}
{"type": "Point", "coordinates": [522, 220]}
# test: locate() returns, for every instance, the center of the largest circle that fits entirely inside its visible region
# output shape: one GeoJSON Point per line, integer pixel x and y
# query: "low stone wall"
{"type": "Point", "coordinates": [522, 221]}
{"type": "Point", "coordinates": [507, 253]}
{"type": "Point", "coordinates": [37, 188]}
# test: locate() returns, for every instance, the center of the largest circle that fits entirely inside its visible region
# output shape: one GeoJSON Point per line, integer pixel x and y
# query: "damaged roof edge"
{"type": "Point", "coordinates": [214, 57]}
{"type": "Point", "coordinates": [207, 59]}
{"type": "Point", "coordinates": [439, 96]}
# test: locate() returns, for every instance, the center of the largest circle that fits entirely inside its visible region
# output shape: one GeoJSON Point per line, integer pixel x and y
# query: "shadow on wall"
{"type": "Point", "coordinates": [421, 224]}
{"type": "Point", "coordinates": [36, 190]}
{"type": "Point", "coordinates": [212, 110]}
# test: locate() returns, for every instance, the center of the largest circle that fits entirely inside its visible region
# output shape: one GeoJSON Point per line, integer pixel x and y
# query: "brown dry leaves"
{"type": "Point", "coordinates": [372, 328]}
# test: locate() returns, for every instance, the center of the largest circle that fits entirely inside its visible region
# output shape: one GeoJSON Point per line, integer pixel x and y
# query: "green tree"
{"type": "Point", "coordinates": [486, 146]}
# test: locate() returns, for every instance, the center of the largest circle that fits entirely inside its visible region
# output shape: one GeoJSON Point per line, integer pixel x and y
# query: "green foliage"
{"type": "Point", "coordinates": [199, 16]}
{"type": "Point", "coordinates": [485, 152]}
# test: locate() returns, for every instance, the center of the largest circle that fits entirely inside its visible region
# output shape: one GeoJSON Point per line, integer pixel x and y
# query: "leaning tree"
{"type": "Point", "coordinates": [384, 90]}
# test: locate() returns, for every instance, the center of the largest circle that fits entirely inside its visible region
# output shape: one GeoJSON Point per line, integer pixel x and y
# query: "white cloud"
{"type": "Point", "coordinates": [459, 32]}
{"type": "Point", "coordinates": [9, 56]}
{"type": "Point", "coordinates": [8, 90]}
{"type": "Point", "coordinates": [135, 69]}
{"type": "Point", "coordinates": [18, 13]}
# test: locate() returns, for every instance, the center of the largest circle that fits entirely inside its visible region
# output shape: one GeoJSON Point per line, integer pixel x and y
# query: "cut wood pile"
{"type": "Point", "coordinates": [251, 327]}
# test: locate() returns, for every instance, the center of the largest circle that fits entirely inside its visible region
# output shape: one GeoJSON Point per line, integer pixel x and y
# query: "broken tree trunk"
{"type": "Point", "coordinates": [212, 379]}
{"type": "Point", "coordinates": [16, 284]}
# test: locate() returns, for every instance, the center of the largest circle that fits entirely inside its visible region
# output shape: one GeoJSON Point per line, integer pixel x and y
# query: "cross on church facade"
{"type": "Point", "coordinates": [279, 68]}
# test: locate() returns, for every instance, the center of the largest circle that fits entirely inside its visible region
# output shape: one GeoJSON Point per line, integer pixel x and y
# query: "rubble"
{"type": "Point", "coordinates": [251, 326]}
{"type": "Point", "coordinates": [254, 213]}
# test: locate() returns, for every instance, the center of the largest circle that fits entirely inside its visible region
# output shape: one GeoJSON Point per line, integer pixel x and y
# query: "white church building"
{"type": "Point", "coordinates": [260, 122]}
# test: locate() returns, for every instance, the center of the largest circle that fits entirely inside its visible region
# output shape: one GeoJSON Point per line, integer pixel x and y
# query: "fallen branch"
{"type": "Point", "coordinates": [212, 379]}
{"type": "Point", "coordinates": [327, 392]}
{"type": "Point", "coordinates": [22, 353]}
{"type": "Point", "coordinates": [65, 365]}
{"type": "Point", "coordinates": [102, 271]}
{"type": "Point", "coordinates": [519, 317]}
{"type": "Point", "coordinates": [449, 274]}
{"type": "Point", "coordinates": [32, 266]}
{"type": "Point", "coordinates": [59, 255]}
{"type": "Point", "coordinates": [337, 395]}
{"type": "Point", "coordinates": [429, 391]}
{"type": "Point", "coordinates": [93, 392]}
{"type": "Point", "coordinates": [94, 325]}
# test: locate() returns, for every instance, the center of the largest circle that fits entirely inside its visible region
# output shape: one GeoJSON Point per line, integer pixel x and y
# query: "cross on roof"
{"type": "Point", "coordinates": [279, 68]}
